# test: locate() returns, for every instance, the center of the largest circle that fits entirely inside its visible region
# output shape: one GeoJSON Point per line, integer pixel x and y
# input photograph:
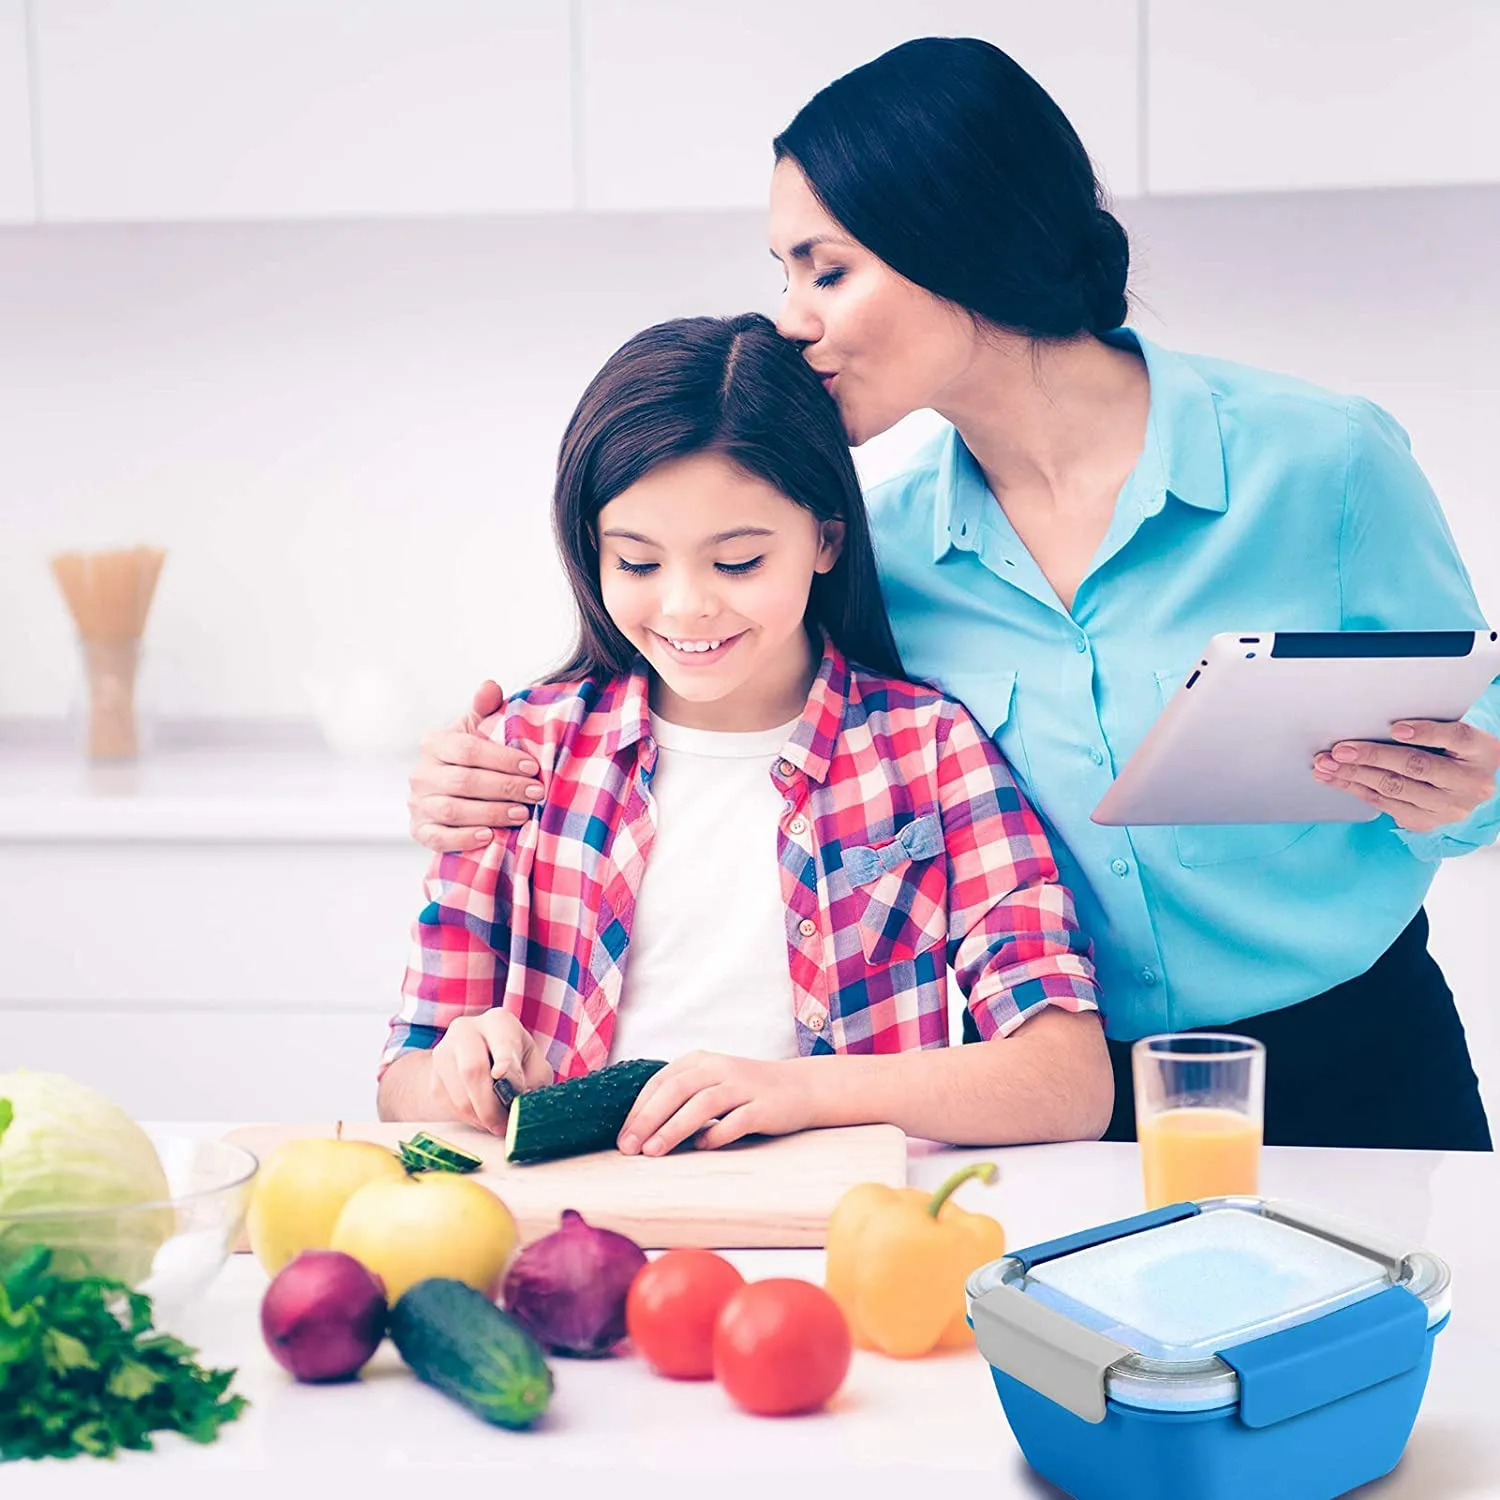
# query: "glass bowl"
{"type": "Point", "coordinates": [170, 1249]}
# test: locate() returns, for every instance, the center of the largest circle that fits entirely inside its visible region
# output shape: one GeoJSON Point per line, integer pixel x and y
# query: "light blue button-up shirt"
{"type": "Point", "coordinates": [1258, 503]}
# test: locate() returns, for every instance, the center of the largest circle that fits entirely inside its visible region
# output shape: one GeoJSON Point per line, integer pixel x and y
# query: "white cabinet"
{"type": "Point", "coordinates": [1342, 93]}
{"type": "Point", "coordinates": [17, 197]}
{"type": "Point", "coordinates": [250, 981]}
{"type": "Point", "coordinates": [206, 934]}
{"type": "Point", "coordinates": [177, 109]}
{"type": "Point", "coordinates": [680, 99]}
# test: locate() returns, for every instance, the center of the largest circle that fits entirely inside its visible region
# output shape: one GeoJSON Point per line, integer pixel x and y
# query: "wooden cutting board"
{"type": "Point", "coordinates": [771, 1192]}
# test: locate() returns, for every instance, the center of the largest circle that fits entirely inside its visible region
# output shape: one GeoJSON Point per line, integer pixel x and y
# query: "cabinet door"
{"type": "Point", "coordinates": [1343, 93]}
{"type": "Point", "coordinates": [17, 199]}
{"type": "Point", "coordinates": [680, 99]}
{"type": "Point", "coordinates": [180, 109]}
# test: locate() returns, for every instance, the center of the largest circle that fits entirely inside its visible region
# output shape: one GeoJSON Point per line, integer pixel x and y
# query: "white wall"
{"type": "Point", "coordinates": [344, 433]}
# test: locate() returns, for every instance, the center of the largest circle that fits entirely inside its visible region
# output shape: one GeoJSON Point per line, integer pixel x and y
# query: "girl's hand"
{"type": "Point", "coordinates": [464, 785]}
{"type": "Point", "coordinates": [1421, 788]}
{"type": "Point", "coordinates": [745, 1096]}
{"type": "Point", "coordinates": [473, 1053]}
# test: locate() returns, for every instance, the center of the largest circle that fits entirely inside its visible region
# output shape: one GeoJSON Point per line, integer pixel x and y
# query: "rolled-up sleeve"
{"type": "Point", "coordinates": [1014, 942]}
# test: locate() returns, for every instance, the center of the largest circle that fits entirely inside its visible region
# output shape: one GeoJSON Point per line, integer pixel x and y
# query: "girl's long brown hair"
{"type": "Point", "coordinates": [732, 386]}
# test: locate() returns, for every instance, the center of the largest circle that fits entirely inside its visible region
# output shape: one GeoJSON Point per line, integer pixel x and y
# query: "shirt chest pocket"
{"type": "Point", "coordinates": [991, 698]}
{"type": "Point", "coordinates": [900, 891]}
{"type": "Point", "coordinates": [1200, 844]}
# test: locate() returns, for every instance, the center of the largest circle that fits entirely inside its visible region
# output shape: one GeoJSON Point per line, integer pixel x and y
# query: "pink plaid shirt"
{"type": "Point", "coordinates": [904, 846]}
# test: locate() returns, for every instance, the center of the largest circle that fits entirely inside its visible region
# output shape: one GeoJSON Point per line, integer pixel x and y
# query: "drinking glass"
{"type": "Point", "coordinates": [1199, 1114]}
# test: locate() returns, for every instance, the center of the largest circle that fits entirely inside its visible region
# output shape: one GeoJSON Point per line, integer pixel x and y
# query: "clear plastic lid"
{"type": "Point", "coordinates": [1177, 1293]}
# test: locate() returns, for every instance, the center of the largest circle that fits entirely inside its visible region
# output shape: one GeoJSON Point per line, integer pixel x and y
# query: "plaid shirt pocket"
{"type": "Point", "coordinates": [903, 885]}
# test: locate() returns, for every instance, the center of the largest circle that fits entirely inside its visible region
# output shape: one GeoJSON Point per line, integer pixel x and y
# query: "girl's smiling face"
{"type": "Point", "coordinates": [883, 346]}
{"type": "Point", "coordinates": [706, 571]}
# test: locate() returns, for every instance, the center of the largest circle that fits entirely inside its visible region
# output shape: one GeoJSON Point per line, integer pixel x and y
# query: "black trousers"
{"type": "Point", "coordinates": [1379, 1060]}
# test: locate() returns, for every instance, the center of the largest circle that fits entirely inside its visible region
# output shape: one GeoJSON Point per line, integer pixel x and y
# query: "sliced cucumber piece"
{"type": "Point", "coordinates": [429, 1153]}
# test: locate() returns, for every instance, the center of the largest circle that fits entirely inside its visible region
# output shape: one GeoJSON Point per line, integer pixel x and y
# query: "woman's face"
{"type": "Point", "coordinates": [706, 570]}
{"type": "Point", "coordinates": [883, 346]}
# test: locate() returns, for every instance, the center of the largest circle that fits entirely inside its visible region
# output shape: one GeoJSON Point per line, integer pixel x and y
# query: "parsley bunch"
{"type": "Point", "coordinates": [82, 1372]}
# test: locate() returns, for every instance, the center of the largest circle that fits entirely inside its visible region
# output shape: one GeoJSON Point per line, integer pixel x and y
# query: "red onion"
{"type": "Point", "coordinates": [568, 1289]}
{"type": "Point", "coordinates": [323, 1315]}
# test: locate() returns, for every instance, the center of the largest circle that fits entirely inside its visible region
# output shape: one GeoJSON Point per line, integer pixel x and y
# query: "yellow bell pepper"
{"type": "Point", "coordinates": [898, 1259]}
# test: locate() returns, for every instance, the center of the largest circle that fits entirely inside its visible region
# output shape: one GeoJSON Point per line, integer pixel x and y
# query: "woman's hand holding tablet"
{"type": "Point", "coordinates": [1440, 774]}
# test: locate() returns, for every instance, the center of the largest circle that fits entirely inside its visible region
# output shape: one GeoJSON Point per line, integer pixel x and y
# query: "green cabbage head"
{"type": "Point", "coordinates": [63, 1148]}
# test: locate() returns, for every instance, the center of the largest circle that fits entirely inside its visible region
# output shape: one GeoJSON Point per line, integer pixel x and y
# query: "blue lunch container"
{"type": "Point", "coordinates": [1232, 1349]}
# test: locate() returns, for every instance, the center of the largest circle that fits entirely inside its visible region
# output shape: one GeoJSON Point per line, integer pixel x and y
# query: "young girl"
{"type": "Point", "coordinates": [760, 847]}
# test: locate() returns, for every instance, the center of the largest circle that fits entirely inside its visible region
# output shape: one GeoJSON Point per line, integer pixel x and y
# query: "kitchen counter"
{"type": "Point", "coordinates": [616, 1428]}
{"type": "Point", "coordinates": [272, 792]}
{"type": "Point", "coordinates": [266, 785]}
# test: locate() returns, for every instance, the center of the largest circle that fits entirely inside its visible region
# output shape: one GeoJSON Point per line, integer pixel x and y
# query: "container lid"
{"type": "Point", "coordinates": [1150, 1304]}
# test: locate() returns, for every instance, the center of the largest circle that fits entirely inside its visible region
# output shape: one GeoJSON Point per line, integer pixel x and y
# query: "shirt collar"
{"type": "Point", "coordinates": [627, 704]}
{"type": "Point", "coordinates": [1183, 455]}
{"type": "Point", "coordinates": [811, 745]}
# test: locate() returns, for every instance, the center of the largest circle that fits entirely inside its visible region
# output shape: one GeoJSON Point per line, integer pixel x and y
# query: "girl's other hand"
{"type": "Point", "coordinates": [477, 1050]}
{"type": "Point", "coordinates": [465, 785]}
{"type": "Point", "coordinates": [1421, 788]}
{"type": "Point", "coordinates": [723, 1097]}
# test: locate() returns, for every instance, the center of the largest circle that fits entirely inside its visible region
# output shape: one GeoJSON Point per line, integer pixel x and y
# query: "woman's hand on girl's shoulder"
{"type": "Point", "coordinates": [465, 785]}
{"type": "Point", "coordinates": [722, 1097]}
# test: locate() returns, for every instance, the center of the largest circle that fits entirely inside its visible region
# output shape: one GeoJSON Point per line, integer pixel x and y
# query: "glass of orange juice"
{"type": "Point", "coordinates": [1199, 1109]}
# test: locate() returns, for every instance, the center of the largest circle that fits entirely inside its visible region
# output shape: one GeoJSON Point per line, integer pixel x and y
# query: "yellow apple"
{"type": "Point", "coordinates": [301, 1190]}
{"type": "Point", "coordinates": [433, 1224]}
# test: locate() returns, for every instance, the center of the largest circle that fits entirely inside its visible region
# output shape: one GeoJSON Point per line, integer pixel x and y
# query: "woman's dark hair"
{"type": "Point", "coordinates": [735, 387]}
{"type": "Point", "coordinates": [950, 162]}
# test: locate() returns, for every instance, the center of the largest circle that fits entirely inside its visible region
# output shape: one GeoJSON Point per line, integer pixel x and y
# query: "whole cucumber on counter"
{"type": "Point", "coordinates": [457, 1341]}
{"type": "Point", "coordinates": [575, 1116]}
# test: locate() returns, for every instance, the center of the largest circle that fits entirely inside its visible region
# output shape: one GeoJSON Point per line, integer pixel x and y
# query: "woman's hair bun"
{"type": "Point", "coordinates": [1106, 272]}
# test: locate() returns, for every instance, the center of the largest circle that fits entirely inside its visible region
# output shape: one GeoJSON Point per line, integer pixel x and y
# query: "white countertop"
{"type": "Point", "coordinates": [279, 787]}
{"type": "Point", "coordinates": [227, 794]}
{"type": "Point", "coordinates": [615, 1428]}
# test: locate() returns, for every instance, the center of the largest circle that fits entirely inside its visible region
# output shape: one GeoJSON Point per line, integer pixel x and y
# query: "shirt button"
{"type": "Point", "coordinates": [1097, 756]}
{"type": "Point", "coordinates": [797, 826]}
{"type": "Point", "coordinates": [786, 768]}
{"type": "Point", "coordinates": [1148, 976]}
{"type": "Point", "coordinates": [816, 1024]}
{"type": "Point", "coordinates": [1081, 644]}
{"type": "Point", "coordinates": [1120, 866]}
{"type": "Point", "coordinates": [807, 927]}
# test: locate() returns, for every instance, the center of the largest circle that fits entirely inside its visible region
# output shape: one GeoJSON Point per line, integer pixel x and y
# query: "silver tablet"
{"type": "Point", "coordinates": [1236, 742]}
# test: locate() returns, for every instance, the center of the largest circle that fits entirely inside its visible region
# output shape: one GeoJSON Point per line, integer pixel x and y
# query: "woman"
{"type": "Point", "coordinates": [1096, 509]}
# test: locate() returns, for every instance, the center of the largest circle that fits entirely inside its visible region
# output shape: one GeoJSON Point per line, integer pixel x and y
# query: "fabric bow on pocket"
{"type": "Point", "coordinates": [904, 886]}
{"type": "Point", "coordinates": [920, 839]}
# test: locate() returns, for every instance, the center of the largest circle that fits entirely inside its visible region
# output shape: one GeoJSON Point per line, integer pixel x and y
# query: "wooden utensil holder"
{"type": "Point", "coordinates": [110, 670]}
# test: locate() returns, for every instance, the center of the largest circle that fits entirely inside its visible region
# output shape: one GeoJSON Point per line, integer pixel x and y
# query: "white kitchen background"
{"type": "Point", "coordinates": [304, 292]}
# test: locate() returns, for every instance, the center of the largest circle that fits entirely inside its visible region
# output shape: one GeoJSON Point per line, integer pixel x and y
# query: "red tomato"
{"type": "Point", "coordinates": [781, 1346]}
{"type": "Point", "coordinates": [671, 1309]}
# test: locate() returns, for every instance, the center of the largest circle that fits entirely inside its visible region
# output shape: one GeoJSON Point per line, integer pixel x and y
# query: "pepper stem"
{"type": "Point", "coordinates": [986, 1171]}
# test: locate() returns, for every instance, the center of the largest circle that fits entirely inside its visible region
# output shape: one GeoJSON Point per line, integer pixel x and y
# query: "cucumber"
{"type": "Point", "coordinates": [457, 1341]}
{"type": "Point", "coordinates": [430, 1153]}
{"type": "Point", "coordinates": [575, 1116]}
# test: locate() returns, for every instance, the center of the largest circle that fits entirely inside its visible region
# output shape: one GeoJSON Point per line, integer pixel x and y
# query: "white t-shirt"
{"type": "Point", "coordinates": [707, 965]}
